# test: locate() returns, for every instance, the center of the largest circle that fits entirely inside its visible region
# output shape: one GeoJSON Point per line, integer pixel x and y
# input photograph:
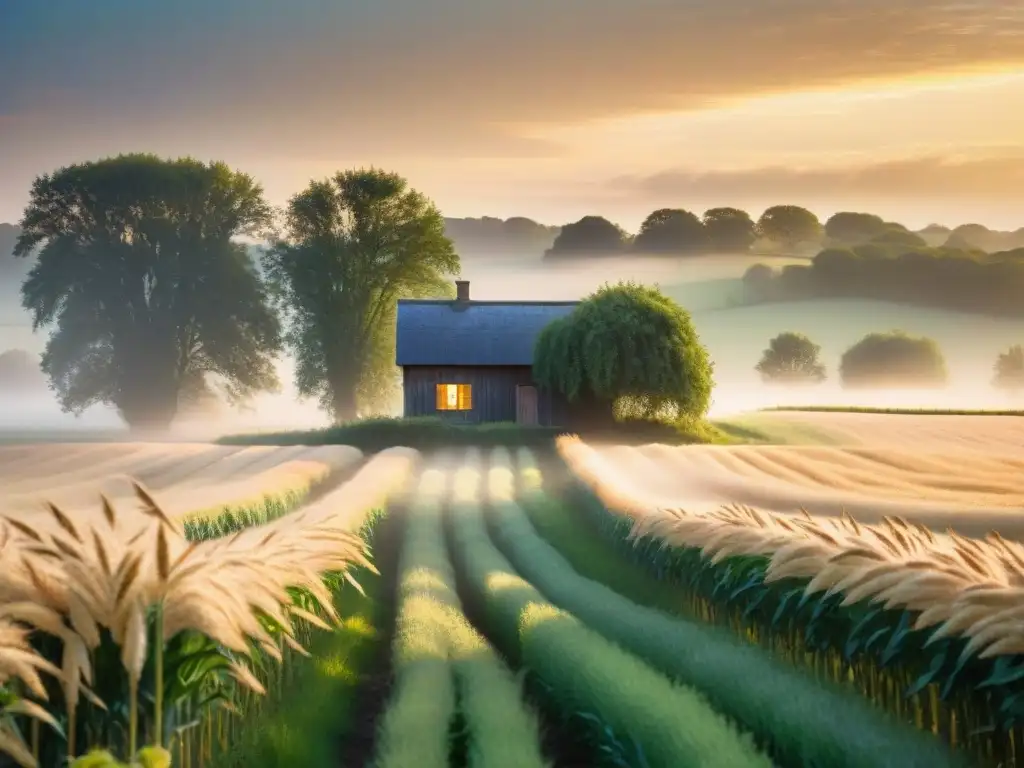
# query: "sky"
{"type": "Point", "coordinates": [910, 108]}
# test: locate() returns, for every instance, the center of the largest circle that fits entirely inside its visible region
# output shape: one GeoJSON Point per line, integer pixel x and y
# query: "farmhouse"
{"type": "Point", "coordinates": [472, 361]}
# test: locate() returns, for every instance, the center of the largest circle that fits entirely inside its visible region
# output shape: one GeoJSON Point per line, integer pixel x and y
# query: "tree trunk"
{"type": "Point", "coordinates": [344, 406]}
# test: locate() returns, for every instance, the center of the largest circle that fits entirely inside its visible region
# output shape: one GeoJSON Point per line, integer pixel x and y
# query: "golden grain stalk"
{"type": "Point", "coordinates": [967, 587]}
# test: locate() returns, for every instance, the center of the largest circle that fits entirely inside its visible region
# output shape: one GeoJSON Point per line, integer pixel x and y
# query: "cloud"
{"type": "Point", "coordinates": [452, 76]}
{"type": "Point", "coordinates": [997, 177]}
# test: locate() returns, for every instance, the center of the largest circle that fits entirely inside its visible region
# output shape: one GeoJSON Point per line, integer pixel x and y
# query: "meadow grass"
{"type": "Point", "coordinates": [664, 725]}
{"type": "Point", "coordinates": [800, 721]}
{"type": "Point", "coordinates": [421, 433]}
{"type": "Point", "coordinates": [750, 430]}
{"type": "Point", "coordinates": [316, 707]}
{"type": "Point", "coordinates": [430, 433]}
{"type": "Point", "coordinates": [896, 411]}
{"type": "Point", "coordinates": [446, 673]}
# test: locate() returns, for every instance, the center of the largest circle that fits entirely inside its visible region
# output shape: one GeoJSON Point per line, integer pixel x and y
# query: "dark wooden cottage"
{"type": "Point", "coordinates": [472, 361]}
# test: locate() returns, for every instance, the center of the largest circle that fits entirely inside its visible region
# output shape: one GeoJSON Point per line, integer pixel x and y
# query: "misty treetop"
{"type": "Point", "coordinates": [791, 358]}
{"type": "Point", "coordinates": [891, 360]}
{"type": "Point", "coordinates": [1009, 370]}
{"type": "Point", "coordinates": [355, 244]}
{"type": "Point", "coordinates": [151, 299]}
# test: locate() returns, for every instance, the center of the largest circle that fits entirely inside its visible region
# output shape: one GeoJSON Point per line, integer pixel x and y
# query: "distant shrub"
{"type": "Point", "coordinates": [791, 358]}
{"type": "Point", "coordinates": [893, 360]}
{"type": "Point", "coordinates": [1009, 369]}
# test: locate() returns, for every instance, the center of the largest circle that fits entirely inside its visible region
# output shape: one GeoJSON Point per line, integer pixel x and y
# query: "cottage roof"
{"type": "Point", "coordinates": [443, 332]}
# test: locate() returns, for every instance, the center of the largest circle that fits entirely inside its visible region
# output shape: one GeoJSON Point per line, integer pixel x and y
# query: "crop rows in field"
{"type": "Point", "coordinates": [939, 615]}
{"type": "Point", "coordinates": [482, 576]}
{"type": "Point", "coordinates": [188, 480]}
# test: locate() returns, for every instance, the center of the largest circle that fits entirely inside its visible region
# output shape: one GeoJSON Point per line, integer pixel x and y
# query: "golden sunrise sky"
{"type": "Point", "coordinates": [544, 108]}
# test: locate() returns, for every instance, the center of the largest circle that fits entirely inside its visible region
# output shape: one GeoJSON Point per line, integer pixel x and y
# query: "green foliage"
{"type": "Point", "coordinates": [149, 295]}
{"type": "Point", "coordinates": [729, 230]}
{"type": "Point", "coordinates": [421, 433]}
{"type": "Point", "coordinates": [230, 520]}
{"type": "Point", "coordinates": [900, 237]}
{"type": "Point", "coordinates": [316, 706]}
{"type": "Point", "coordinates": [669, 724]}
{"type": "Point", "coordinates": [627, 341]}
{"type": "Point", "coordinates": [791, 358]}
{"type": "Point", "coordinates": [961, 280]}
{"type": "Point", "coordinates": [356, 244]}
{"type": "Point", "coordinates": [1009, 369]}
{"type": "Point", "coordinates": [893, 359]}
{"type": "Point", "coordinates": [591, 235]}
{"type": "Point", "coordinates": [798, 720]}
{"type": "Point", "coordinates": [671, 230]}
{"type": "Point", "coordinates": [852, 228]}
{"type": "Point", "coordinates": [864, 646]}
{"type": "Point", "coordinates": [789, 225]}
{"type": "Point", "coordinates": [445, 673]}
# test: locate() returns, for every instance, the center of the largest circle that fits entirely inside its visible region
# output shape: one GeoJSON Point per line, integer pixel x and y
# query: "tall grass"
{"type": "Point", "coordinates": [446, 673]}
{"type": "Point", "coordinates": [923, 626]}
{"type": "Point", "coordinates": [638, 713]}
{"type": "Point", "coordinates": [315, 706]}
{"type": "Point", "coordinates": [155, 633]}
{"type": "Point", "coordinates": [799, 721]}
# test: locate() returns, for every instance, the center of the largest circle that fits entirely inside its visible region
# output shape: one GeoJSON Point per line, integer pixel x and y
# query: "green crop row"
{"type": "Point", "coordinates": [668, 725]}
{"type": "Point", "coordinates": [972, 704]}
{"type": "Point", "coordinates": [445, 672]}
{"type": "Point", "coordinates": [800, 721]}
{"type": "Point", "coordinates": [237, 518]}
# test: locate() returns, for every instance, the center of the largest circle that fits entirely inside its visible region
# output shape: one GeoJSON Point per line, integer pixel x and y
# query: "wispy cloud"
{"type": "Point", "coordinates": [989, 177]}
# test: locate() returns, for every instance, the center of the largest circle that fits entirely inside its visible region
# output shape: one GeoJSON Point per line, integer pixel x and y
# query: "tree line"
{"type": "Point", "coordinates": [676, 231]}
{"type": "Point", "coordinates": [944, 277]}
{"type": "Point", "coordinates": [890, 359]}
{"type": "Point", "coordinates": [153, 303]}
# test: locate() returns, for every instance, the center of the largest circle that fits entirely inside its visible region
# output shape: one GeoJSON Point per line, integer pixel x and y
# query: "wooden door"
{"type": "Point", "coordinates": [526, 405]}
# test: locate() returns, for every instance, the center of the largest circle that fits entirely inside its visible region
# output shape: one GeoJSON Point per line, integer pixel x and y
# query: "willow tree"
{"type": "Point", "coordinates": [626, 345]}
{"type": "Point", "coordinates": [355, 244]}
{"type": "Point", "coordinates": [151, 299]}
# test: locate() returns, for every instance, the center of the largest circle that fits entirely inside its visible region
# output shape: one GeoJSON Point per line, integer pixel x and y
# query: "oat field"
{"type": "Point", "coordinates": [590, 606]}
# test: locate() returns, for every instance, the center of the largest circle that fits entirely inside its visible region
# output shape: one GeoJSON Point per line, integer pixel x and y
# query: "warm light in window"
{"type": "Point", "coordinates": [454, 397]}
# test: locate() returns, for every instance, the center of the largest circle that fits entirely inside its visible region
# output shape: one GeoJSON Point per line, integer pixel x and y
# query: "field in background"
{"type": "Point", "coordinates": [959, 471]}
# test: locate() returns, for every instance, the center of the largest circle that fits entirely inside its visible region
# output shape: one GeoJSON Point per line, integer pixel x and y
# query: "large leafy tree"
{"type": "Point", "coordinates": [851, 227]}
{"type": "Point", "coordinates": [729, 229]}
{"type": "Point", "coordinates": [152, 299]}
{"type": "Point", "coordinates": [589, 236]}
{"type": "Point", "coordinates": [791, 358]}
{"type": "Point", "coordinates": [626, 342]}
{"type": "Point", "coordinates": [671, 230]}
{"type": "Point", "coordinates": [355, 244]}
{"type": "Point", "coordinates": [789, 225]}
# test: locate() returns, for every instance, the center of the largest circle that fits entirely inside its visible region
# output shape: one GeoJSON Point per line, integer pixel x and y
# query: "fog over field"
{"type": "Point", "coordinates": [708, 286]}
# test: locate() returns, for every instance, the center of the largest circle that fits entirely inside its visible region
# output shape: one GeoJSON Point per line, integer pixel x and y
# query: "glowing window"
{"type": "Point", "coordinates": [454, 397]}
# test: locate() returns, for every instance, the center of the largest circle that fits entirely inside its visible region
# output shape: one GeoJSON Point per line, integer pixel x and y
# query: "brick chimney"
{"type": "Point", "coordinates": [462, 290]}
